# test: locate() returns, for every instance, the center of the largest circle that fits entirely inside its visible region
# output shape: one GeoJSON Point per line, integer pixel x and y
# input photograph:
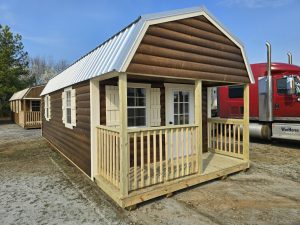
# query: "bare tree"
{"type": "Point", "coordinates": [43, 69]}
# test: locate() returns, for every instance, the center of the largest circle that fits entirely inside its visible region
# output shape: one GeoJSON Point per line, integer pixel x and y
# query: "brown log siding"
{"type": "Point", "coordinates": [192, 48]}
{"type": "Point", "coordinates": [35, 92]}
{"type": "Point", "coordinates": [73, 143]}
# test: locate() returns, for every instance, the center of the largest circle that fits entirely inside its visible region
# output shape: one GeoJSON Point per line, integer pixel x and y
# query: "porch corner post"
{"type": "Point", "coordinates": [246, 123]}
{"type": "Point", "coordinates": [124, 154]}
{"type": "Point", "coordinates": [198, 121]}
{"type": "Point", "coordinates": [24, 111]}
{"type": "Point", "coordinates": [95, 120]}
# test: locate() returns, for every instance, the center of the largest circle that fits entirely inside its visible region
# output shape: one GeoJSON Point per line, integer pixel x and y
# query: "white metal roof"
{"type": "Point", "coordinates": [19, 94]}
{"type": "Point", "coordinates": [116, 53]}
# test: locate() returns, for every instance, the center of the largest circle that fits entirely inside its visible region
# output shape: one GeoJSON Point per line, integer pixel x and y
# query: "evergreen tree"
{"type": "Point", "coordinates": [14, 74]}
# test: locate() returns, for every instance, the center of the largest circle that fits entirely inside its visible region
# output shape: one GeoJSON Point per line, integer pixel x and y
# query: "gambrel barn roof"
{"type": "Point", "coordinates": [28, 93]}
{"type": "Point", "coordinates": [116, 53]}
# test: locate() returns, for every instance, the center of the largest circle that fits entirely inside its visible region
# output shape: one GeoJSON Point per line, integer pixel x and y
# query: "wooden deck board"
{"type": "Point", "coordinates": [214, 166]}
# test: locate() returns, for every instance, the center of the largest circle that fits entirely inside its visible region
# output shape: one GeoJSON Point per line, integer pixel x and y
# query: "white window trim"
{"type": "Point", "coordinates": [179, 87]}
{"type": "Point", "coordinates": [48, 108]}
{"type": "Point", "coordinates": [147, 87]}
{"type": "Point", "coordinates": [68, 125]}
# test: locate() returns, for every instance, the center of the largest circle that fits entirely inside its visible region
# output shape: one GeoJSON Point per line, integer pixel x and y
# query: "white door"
{"type": "Point", "coordinates": [179, 111]}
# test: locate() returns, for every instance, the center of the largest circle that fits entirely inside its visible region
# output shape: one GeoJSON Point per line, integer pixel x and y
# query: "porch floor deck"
{"type": "Point", "coordinates": [214, 165]}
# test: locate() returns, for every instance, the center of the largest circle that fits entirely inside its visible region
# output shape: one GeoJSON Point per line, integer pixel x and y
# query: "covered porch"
{"type": "Point", "coordinates": [26, 112]}
{"type": "Point", "coordinates": [133, 164]}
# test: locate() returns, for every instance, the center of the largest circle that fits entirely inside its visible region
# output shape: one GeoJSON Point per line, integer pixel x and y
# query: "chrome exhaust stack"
{"type": "Point", "coordinates": [269, 84]}
{"type": "Point", "coordinates": [290, 58]}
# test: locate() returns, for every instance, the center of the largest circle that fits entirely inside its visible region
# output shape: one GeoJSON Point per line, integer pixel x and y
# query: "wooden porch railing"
{"type": "Point", "coordinates": [32, 118]}
{"type": "Point", "coordinates": [156, 154]}
{"type": "Point", "coordinates": [108, 151]}
{"type": "Point", "coordinates": [160, 154]}
{"type": "Point", "coordinates": [225, 136]}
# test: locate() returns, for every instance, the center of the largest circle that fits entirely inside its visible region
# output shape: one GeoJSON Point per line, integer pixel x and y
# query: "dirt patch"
{"type": "Point", "coordinates": [39, 186]}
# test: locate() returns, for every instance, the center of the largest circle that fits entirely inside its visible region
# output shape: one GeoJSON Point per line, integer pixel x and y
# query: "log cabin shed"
{"type": "Point", "coordinates": [133, 113]}
{"type": "Point", "coordinates": [25, 107]}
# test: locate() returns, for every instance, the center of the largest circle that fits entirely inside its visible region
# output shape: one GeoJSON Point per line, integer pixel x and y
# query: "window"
{"type": "Point", "coordinates": [236, 91]}
{"type": "Point", "coordinates": [47, 107]}
{"type": "Point", "coordinates": [297, 85]}
{"type": "Point", "coordinates": [136, 106]}
{"type": "Point", "coordinates": [181, 107]}
{"type": "Point", "coordinates": [68, 106]}
{"type": "Point", "coordinates": [281, 86]}
{"type": "Point", "coordinates": [35, 106]}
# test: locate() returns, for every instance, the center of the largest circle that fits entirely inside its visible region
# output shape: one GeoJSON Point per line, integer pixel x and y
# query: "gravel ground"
{"type": "Point", "coordinates": [39, 186]}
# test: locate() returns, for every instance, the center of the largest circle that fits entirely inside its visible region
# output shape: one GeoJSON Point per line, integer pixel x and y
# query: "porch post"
{"type": "Point", "coordinates": [24, 111]}
{"type": "Point", "coordinates": [246, 123]}
{"type": "Point", "coordinates": [124, 154]}
{"type": "Point", "coordinates": [95, 120]}
{"type": "Point", "coordinates": [198, 121]}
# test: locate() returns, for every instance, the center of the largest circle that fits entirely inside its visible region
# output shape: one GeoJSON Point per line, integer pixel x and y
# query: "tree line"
{"type": "Point", "coordinates": [18, 70]}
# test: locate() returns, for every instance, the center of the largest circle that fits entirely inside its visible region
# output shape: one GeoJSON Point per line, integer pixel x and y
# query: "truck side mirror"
{"type": "Point", "coordinates": [290, 85]}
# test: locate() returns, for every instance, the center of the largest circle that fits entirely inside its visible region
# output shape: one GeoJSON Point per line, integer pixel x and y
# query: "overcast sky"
{"type": "Point", "coordinates": [68, 29]}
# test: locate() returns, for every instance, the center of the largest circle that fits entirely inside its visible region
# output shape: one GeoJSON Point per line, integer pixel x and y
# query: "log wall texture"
{"type": "Point", "coordinates": [191, 48]}
{"type": "Point", "coordinates": [73, 143]}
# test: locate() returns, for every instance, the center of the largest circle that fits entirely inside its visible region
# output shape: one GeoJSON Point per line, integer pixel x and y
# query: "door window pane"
{"type": "Point", "coordinates": [181, 107]}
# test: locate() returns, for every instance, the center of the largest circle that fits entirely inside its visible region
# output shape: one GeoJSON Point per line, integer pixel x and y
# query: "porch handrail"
{"type": "Point", "coordinates": [32, 118]}
{"type": "Point", "coordinates": [108, 152]}
{"type": "Point", "coordinates": [161, 154]}
{"type": "Point", "coordinates": [225, 136]}
{"type": "Point", "coordinates": [135, 130]}
{"type": "Point", "coordinates": [169, 153]}
{"type": "Point", "coordinates": [113, 129]}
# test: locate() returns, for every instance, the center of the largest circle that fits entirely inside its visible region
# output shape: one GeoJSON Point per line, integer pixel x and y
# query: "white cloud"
{"type": "Point", "coordinates": [256, 3]}
{"type": "Point", "coordinates": [43, 40]}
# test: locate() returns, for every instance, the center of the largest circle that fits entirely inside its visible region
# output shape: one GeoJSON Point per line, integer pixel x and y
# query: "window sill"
{"type": "Point", "coordinates": [68, 125]}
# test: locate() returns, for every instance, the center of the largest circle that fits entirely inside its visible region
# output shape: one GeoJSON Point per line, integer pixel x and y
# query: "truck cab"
{"type": "Point", "coordinates": [285, 98]}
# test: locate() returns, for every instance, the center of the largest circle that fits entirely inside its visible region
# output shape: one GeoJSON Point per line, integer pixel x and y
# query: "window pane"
{"type": "Point", "coordinates": [68, 115]}
{"type": "Point", "coordinates": [175, 108]}
{"type": "Point", "coordinates": [141, 101]}
{"type": "Point", "coordinates": [130, 92]}
{"type": "Point", "coordinates": [35, 106]}
{"type": "Point", "coordinates": [180, 96]}
{"type": "Point", "coordinates": [186, 119]}
{"type": "Point", "coordinates": [131, 101]}
{"type": "Point", "coordinates": [130, 121]}
{"type": "Point", "coordinates": [140, 92]}
{"type": "Point", "coordinates": [181, 119]}
{"type": "Point", "coordinates": [186, 96]}
{"type": "Point", "coordinates": [140, 112]}
{"type": "Point", "coordinates": [140, 121]}
{"type": "Point", "coordinates": [186, 107]}
{"type": "Point", "coordinates": [181, 108]}
{"type": "Point", "coordinates": [281, 86]}
{"type": "Point", "coordinates": [175, 119]}
{"type": "Point", "coordinates": [131, 112]}
{"type": "Point", "coordinates": [68, 96]}
{"type": "Point", "coordinates": [236, 92]}
{"type": "Point", "coordinates": [175, 96]}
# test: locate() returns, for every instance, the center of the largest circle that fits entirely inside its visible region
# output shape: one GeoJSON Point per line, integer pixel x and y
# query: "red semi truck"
{"type": "Point", "coordinates": [274, 100]}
